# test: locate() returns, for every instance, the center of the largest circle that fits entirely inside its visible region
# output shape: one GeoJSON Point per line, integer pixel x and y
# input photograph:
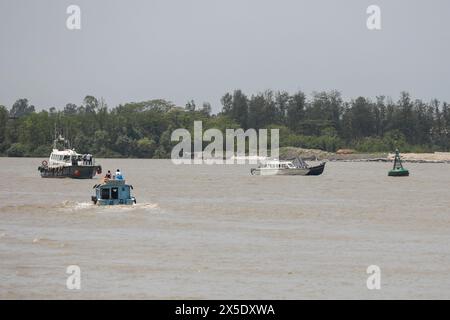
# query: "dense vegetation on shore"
{"type": "Point", "coordinates": [143, 129]}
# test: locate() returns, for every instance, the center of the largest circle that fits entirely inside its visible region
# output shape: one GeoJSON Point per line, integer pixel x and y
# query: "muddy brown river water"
{"type": "Point", "coordinates": [216, 232]}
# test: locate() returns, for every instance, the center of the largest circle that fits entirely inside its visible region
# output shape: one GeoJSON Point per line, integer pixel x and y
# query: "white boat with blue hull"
{"type": "Point", "coordinates": [113, 192]}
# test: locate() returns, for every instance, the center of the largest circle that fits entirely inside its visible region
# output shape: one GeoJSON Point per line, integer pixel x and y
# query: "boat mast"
{"type": "Point", "coordinates": [54, 137]}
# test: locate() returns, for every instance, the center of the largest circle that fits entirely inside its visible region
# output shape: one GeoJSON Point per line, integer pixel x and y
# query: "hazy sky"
{"type": "Point", "coordinates": [200, 49]}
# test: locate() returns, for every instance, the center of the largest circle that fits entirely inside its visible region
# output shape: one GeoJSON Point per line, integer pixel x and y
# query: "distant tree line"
{"type": "Point", "coordinates": [143, 129]}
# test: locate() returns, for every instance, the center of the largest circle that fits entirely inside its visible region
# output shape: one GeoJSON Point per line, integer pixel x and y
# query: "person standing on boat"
{"type": "Point", "coordinates": [118, 175]}
{"type": "Point", "coordinates": [84, 159]}
{"type": "Point", "coordinates": [89, 159]}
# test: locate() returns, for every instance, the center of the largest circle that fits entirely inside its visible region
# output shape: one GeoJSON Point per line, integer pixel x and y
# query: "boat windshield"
{"type": "Point", "coordinates": [278, 165]}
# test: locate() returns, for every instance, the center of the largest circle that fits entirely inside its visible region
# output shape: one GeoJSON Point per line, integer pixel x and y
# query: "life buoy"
{"type": "Point", "coordinates": [76, 173]}
{"type": "Point", "coordinates": [45, 163]}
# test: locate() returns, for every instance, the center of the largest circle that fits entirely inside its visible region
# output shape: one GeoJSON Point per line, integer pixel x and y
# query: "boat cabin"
{"type": "Point", "coordinates": [113, 192]}
{"type": "Point", "coordinates": [63, 155]}
{"type": "Point", "coordinates": [64, 158]}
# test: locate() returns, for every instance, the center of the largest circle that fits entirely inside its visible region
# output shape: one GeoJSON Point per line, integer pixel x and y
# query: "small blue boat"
{"type": "Point", "coordinates": [113, 192]}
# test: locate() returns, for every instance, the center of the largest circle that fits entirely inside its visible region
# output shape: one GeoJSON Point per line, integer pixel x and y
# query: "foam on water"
{"type": "Point", "coordinates": [127, 208]}
{"type": "Point", "coordinates": [83, 206]}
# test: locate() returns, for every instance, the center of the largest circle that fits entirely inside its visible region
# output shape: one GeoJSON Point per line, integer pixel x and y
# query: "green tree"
{"type": "Point", "coordinates": [3, 122]}
{"type": "Point", "coordinates": [361, 118]}
{"type": "Point", "coordinates": [206, 109]}
{"type": "Point", "coordinates": [21, 108]}
{"type": "Point", "coordinates": [145, 147]}
{"type": "Point", "coordinates": [296, 111]}
{"type": "Point", "coordinates": [91, 104]}
{"type": "Point", "coordinates": [70, 109]}
{"type": "Point", "coordinates": [190, 106]}
{"type": "Point", "coordinates": [236, 107]}
{"type": "Point", "coordinates": [17, 150]}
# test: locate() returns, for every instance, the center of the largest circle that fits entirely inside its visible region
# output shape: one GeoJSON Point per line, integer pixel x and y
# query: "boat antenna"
{"type": "Point", "coordinates": [68, 137]}
{"type": "Point", "coordinates": [54, 140]}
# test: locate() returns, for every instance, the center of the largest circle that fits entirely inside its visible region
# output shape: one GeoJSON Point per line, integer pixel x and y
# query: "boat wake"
{"type": "Point", "coordinates": [69, 207]}
{"type": "Point", "coordinates": [75, 206]}
{"type": "Point", "coordinates": [88, 206]}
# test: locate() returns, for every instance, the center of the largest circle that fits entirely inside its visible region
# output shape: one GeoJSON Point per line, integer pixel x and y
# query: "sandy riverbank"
{"type": "Point", "coordinates": [316, 154]}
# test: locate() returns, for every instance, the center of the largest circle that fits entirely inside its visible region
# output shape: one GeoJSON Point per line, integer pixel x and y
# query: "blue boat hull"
{"type": "Point", "coordinates": [114, 202]}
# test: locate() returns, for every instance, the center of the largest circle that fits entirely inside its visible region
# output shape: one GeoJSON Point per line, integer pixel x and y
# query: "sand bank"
{"type": "Point", "coordinates": [317, 154]}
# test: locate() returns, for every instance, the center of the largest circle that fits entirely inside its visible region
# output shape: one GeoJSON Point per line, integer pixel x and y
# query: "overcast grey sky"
{"type": "Point", "coordinates": [199, 49]}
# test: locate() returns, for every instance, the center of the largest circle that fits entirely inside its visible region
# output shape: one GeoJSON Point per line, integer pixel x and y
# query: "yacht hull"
{"type": "Point", "coordinates": [310, 171]}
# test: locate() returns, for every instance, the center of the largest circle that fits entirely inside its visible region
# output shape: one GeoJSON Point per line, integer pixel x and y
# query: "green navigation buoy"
{"type": "Point", "coordinates": [398, 170]}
